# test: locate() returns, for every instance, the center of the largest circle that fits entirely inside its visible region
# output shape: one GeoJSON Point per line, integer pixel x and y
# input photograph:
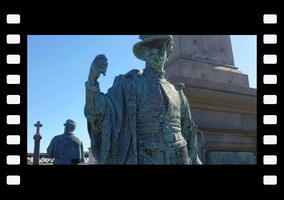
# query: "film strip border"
{"type": "Point", "coordinates": [269, 101]}
{"type": "Point", "coordinates": [13, 94]}
{"type": "Point", "coordinates": [15, 125]}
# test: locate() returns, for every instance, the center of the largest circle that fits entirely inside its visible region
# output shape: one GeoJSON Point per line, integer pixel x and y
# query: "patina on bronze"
{"type": "Point", "coordinates": [143, 118]}
{"type": "Point", "coordinates": [67, 149]}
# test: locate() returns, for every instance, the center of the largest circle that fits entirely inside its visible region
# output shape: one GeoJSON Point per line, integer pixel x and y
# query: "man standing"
{"type": "Point", "coordinates": [143, 118]}
{"type": "Point", "coordinates": [67, 149]}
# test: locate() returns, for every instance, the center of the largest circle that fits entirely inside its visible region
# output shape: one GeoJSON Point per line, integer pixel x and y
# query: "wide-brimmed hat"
{"type": "Point", "coordinates": [138, 48]}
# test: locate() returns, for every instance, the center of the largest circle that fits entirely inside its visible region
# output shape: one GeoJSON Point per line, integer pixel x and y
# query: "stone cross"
{"type": "Point", "coordinates": [38, 125]}
{"type": "Point", "coordinates": [37, 138]}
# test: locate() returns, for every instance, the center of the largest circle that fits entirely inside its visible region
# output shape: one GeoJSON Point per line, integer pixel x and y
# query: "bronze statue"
{"type": "Point", "coordinates": [67, 149]}
{"type": "Point", "coordinates": [143, 118]}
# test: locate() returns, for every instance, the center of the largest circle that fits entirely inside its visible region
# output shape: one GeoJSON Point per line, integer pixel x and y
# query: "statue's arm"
{"type": "Point", "coordinates": [193, 145]}
{"type": "Point", "coordinates": [82, 153]}
{"type": "Point", "coordinates": [50, 149]}
{"type": "Point", "coordinates": [95, 101]}
{"type": "Point", "coordinates": [189, 130]}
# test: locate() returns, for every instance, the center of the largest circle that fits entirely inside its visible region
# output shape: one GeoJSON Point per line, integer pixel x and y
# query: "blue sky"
{"type": "Point", "coordinates": [58, 66]}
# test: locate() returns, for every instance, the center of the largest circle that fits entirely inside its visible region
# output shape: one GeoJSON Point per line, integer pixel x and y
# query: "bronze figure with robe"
{"type": "Point", "coordinates": [67, 149]}
{"type": "Point", "coordinates": [143, 118]}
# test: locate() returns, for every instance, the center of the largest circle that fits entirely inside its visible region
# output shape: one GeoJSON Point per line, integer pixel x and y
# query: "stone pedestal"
{"type": "Point", "coordinates": [37, 138]}
{"type": "Point", "coordinates": [222, 104]}
{"type": "Point", "coordinates": [221, 157]}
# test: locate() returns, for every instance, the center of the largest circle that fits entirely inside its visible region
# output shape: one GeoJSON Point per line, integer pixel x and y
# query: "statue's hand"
{"type": "Point", "coordinates": [95, 74]}
{"type": "Point", "coordinates": [98, 67]}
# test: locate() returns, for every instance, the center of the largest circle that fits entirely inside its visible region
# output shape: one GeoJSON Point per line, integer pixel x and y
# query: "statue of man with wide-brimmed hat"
{"type": "Point", "coordinates": [143, 118]}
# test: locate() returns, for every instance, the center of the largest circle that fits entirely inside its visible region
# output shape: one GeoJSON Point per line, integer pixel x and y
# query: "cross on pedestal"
{"type": "Point", "coordinates": [37, 138]}
{"type": "Point", "coordinates": [38, 125]}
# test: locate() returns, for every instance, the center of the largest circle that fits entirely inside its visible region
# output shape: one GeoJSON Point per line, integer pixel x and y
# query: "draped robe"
{"type": "Point", "coordinates": [112, 121]}
{"type": "Point", "coordinates": [66, 149]}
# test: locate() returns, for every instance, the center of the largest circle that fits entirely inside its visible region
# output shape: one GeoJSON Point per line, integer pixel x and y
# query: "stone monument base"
{"type": "Point", "coordinates": [207, 71]}
{"type": "Point", "coordinates": [226, 114]}
{"type": "Point", "coordinates": [223, 158]}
